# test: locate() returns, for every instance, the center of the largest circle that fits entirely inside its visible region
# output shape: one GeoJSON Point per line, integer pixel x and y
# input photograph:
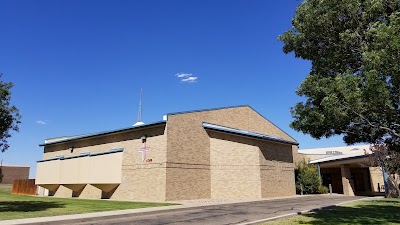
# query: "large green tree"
{"type": "Point", "coordinates": [9, 115]}
{"type": "Point", "coordinates": [353, 87]}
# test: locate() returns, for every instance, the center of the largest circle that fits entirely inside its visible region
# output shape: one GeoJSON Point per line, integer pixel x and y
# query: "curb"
{"type": "Point", "coordinates": [301, 212]}
{"type": "Point", "coordinates": [97, 216]}
{"type": "Point", "coordinates": [108, 215]}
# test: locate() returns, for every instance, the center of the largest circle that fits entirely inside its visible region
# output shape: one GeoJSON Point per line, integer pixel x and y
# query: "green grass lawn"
{"type": "Point", "coordinates": [20, 206]}
{"type": "Point", "coordinates": [376, 212]}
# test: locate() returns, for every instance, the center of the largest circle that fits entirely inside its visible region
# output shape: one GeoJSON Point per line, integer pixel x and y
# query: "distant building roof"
{"type": "Point", "coordinates": [8, 165]}
{"type": "Point", "coordinates": [335, 150]}
{"type": "Point", "coordinates": [354, 155]}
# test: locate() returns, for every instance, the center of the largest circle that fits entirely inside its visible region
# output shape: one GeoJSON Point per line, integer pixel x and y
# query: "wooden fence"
{"type": "Point", "coordinates": [24, 187]}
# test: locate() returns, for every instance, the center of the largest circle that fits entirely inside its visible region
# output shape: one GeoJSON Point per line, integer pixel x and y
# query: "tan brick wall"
{"type": "Point", "coordinates": [188, 182]}
{"type": "Point", "coordinates": [277, 179]}
{"type": "Point", "coordinates": [376, 177]}
{"type": "Point", "coordinates": [277, 169]}
{"type": "Point", "coordinates": [246, 167]}
{"type": "Point", "coordinates": [140, 180]}
{"type": "Point", "coordinates": [188, 144]}
{"type": "Point", "coordinates": [101, 143]}
{"type": "Point", "coordinates": [180, 166]}
{"type": "Point", "coordinates": [346, 180]}
{"type": "Point", "coordinates": [188, 157]}
{"type": "Point", "coordinates": [235, 168]}
{"type": "Point", "coordinates": [11, 173]}
{"type": "Point", "coordinates": [144, 180]}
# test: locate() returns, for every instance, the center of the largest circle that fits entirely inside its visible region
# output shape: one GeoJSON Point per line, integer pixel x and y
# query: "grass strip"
{"type": "Point", "coordinates": [376, 211]}
{"type": "Point", "coordinates": [21, 206]}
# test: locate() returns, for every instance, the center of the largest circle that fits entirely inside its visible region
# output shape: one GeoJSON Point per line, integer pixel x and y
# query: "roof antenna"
{"type": "Point", "coordinates": [139, 118]}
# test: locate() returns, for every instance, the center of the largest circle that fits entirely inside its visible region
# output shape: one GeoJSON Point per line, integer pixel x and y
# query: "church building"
{"type": "Point", "coordinates": [223, 153]}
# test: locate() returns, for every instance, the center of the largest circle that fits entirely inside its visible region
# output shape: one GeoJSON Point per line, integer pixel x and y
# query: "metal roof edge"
{"type": "Point", "coordinates": [237, 106]}
{"type": "Point", "coordinates": [83, 155]}
{"type": "Point", "coordinates": [333, 160]}
{"type": "Point", "coordinates": [105, 133]}
{"type": "Point", "coordinates": [245, 133]}
{"type": "Point", "coordinates": [202, 110]}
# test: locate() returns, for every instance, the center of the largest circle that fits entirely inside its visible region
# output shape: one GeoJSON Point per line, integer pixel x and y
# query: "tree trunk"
{"type": "Point", "coordinates": [393, 187]}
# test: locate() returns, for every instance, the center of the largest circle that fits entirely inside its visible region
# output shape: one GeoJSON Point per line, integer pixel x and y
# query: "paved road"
{"type": "Point", "coordinates": [230, 214]}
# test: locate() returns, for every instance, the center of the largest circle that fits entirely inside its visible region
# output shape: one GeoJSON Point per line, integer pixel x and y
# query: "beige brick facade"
{"type": "Point", "coordinates": [187, 161]}
{"type": "Point", "coordinates": [188, 145]}
{"type": "Point", "coordinates": [235, 168]}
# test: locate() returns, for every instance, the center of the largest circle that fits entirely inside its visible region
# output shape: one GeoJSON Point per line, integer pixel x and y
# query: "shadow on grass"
{"type": "Point", "coordinates": [28, 206]}
{"type": "Point", "coordinates": [374, 212]}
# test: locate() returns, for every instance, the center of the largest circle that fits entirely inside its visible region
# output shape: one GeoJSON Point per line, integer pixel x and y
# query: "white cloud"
{"type": "Point", "coordinates": [41, 122]}
{"type": "Point", "coordinates": [190, 80]}
{"type": "Point", "coordinates": [186, 77]}
{"type": "Point", "coordinates": [183, 75]}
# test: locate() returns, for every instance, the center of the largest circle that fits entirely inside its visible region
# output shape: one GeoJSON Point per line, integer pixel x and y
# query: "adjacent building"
{"type": "Point", "coordinates": [14, 172]}
{"type": "Point", "coordinates": [231, 152]}
{"type": "Point", "coordinates": [346, 169]}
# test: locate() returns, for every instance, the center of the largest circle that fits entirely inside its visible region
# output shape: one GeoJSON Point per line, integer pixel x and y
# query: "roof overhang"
{"type": "Point", "coordinates": [334, 161]}
{"type": "Point", "coordinates": [81, 137]}
{"type": "Point", "coordinates": [240, 132]}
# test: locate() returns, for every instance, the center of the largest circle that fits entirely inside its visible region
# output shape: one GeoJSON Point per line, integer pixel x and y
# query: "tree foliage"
{"type": "Point", "coordinates": [9, 115]}
{"type": "Point", "coordinates": [353, 88]}
{"type": "Point", "coordinates": [389, 162]}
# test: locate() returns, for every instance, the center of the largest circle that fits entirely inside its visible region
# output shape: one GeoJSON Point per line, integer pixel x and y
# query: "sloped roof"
{"type": "Point", "coordinates": [84, 136]}
{"type": "Point", "coordinates": [211, 109]}
{"type": "Point", "coordinates": [79, 137]}
{"type": "Point", "coordinates": [241, 132]}
{"type": "Point", "coordinates": [229, 107]}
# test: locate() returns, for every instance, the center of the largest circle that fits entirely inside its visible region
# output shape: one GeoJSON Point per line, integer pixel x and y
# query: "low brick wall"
{"type": "Point", "coordinates": [11, 173]}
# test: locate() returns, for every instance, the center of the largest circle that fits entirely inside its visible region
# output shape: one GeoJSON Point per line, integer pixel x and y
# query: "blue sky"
{"type": "Point", "coordinates": [78, 66]}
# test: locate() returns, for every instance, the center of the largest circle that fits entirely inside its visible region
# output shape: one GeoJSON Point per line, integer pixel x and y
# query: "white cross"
{"type": "Point", "coordinates": [143, 150]}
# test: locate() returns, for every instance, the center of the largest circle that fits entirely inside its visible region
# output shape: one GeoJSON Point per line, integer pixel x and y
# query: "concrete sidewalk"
{"type": "Point", "coordinates": [91, 217]}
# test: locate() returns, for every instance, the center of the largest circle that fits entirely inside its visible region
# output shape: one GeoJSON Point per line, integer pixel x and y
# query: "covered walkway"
{"type": "Point", "coordinates": [349, 175]}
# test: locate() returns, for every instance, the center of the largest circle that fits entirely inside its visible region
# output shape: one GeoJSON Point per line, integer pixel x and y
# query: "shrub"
{"type": "Point", "coordinates": [322, 189]}
{"type": "Point", "coordinates": [307, 177]}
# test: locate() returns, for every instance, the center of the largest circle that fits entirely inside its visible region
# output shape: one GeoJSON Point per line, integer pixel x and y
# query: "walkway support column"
{"type": "Point", "coordinates": [319, 172]}
{"type": "Point", "coordinates": [346, 180]}
{"type": "Point", "coordinates": [385, 182]}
